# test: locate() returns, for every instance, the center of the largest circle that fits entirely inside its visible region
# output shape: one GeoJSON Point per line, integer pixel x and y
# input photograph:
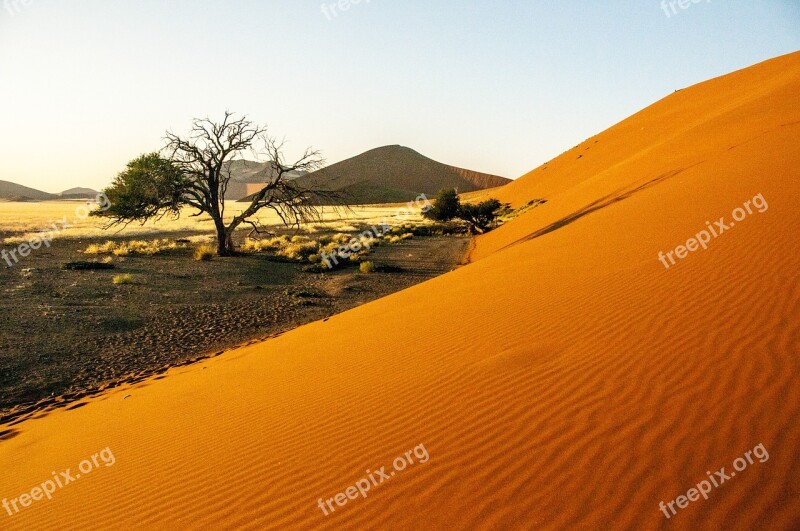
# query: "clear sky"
{"type": "Point", "coordinates": [497, 86]}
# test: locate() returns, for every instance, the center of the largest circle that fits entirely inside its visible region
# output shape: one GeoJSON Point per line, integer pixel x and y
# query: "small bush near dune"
{"type": "Point", "coordinates": [441, 229]}
{"type": "Point", "coordinates": [367, 267]}
{"type": "Point", "coordinates": [204, 253]}
{"type": "Point", "coordinates": [127, 278]}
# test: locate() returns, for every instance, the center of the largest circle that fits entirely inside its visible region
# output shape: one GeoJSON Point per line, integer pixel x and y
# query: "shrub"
{"type": "Point", "coordinates": [132, 247]}
{"type": "Point", "coordinates": [92, 249]}
{"type": "Point", "coordinates": [204, 253]}
{"type": "Point", "coordinates": [96, 248]}
{"type": "Point", "coordinates": [440, 229]}
{"type": "Point", "coordinates": [251, 246]}
{"type": "Point", "coordinates": [340, 238]}
{"type": "Point", "coordinates": [271, 244]}
{"type": "Point", "coordinates": [480, 215]}
{"type": "Point", "coordinates": [366, 267]}
{"type": "Point", "coordinates": [299, 251]}
{"type": "Point", "coordinates": [127, 278]}
{"type": "Point", "coordinates": [445, 207]}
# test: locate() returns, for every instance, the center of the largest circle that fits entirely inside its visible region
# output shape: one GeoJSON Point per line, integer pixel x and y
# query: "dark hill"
{"type": "Point", "coordinates": [393, 174]}
{"type": "Point", "coordinates": [13, 191]}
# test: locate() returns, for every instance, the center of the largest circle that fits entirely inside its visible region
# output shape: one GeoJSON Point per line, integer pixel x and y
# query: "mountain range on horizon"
{"type": "Point", "coordinates": [19, 193]}
{"type": "Point", "coordinates": [388, 174]}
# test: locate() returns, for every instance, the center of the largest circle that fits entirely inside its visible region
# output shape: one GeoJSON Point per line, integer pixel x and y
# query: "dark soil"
{"type": "Point", "coordinates": [67, 334]}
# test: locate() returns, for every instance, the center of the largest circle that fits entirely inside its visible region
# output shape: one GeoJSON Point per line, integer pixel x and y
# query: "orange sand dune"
{"type": "Point", "coordinates": [564, 379]}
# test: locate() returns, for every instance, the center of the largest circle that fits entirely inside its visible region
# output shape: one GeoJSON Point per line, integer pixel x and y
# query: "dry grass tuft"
{"type": "Point", "coordinates": [204, 253]}
{"type": "Point", "coordinates": [127, 278]}
{"type": "Point", "coordinates": [138, 247]}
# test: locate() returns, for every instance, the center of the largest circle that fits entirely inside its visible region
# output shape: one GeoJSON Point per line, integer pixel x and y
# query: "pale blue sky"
{"type": "Point", "coordinates": [498, 86]}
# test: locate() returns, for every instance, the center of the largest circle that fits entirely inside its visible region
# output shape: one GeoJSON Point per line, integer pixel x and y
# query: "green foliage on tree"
{"type": "Point", "coordinates": [149, 187]}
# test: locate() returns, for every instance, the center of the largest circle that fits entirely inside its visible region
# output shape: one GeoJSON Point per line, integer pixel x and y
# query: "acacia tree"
{"type": "Point", "coordinates": [448, 205]}
{"type": "Point", "coordinates": [195, 171]}
{"type": "Point", "coordinates": [445, 207]}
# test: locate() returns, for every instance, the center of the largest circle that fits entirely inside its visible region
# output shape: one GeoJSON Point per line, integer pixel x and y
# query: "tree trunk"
{"type": "Point", "coordinates": [224, 240]}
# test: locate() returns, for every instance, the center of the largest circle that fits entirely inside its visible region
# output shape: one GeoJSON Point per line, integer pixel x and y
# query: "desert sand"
{"type": "Point", "coordinates": [564, 379]}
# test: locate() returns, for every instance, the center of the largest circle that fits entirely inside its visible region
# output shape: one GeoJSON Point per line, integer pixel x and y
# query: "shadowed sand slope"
{"type": "Point", "coordinates": [564, 380]}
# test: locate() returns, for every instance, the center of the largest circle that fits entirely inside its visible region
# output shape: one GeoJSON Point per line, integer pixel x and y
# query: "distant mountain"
{"type": "Point", "coordinates": [248, 177]}
{"type": "Point", "coordinates": [16, 192]}
{"type": "Point", "coordinates": [393, 174]}
{"type": "Point", "coordinates": [79, 193]}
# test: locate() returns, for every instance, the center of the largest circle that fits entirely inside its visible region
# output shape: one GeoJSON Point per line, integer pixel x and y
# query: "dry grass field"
{"type": "Point", "coordinates": [21, 221]}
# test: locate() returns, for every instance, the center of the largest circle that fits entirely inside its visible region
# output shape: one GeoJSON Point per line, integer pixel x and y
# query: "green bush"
{"type": "Point", "coordinates": [480, 215]}
{"type": "Point", "coordinates": [445, 207]}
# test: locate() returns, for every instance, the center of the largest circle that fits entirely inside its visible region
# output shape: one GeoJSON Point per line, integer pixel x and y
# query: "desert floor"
{"type": "Point", "coordinates": [66, 335]}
